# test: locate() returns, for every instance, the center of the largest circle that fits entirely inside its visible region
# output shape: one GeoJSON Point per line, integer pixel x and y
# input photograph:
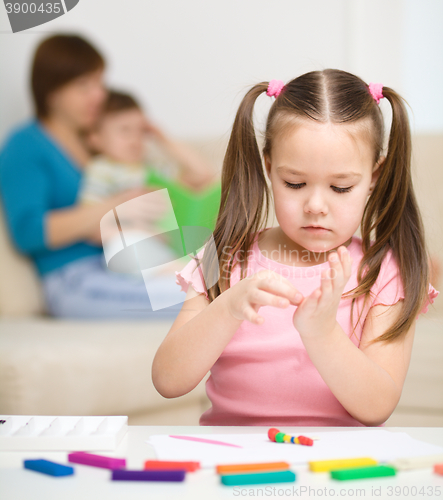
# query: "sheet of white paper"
{"type": "Point", "coordinates": [381, 445]}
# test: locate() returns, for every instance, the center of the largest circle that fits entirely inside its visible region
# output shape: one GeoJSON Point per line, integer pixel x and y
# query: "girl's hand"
{"type": "Point", "coordinates": [265, 288]}
{"type": "Point", "coordinates": [317, 314]}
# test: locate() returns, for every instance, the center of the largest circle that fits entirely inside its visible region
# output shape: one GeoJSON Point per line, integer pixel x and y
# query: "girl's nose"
{"type": "Point", "coordinates": [316, 203]}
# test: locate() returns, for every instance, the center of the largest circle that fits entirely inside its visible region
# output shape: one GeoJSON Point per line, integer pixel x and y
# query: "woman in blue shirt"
{"type": "Point", "coordinates": [41, 167]}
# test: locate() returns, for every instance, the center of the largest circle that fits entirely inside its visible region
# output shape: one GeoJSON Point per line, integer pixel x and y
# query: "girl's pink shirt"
{"type": "Point", "coordinates": [265, 376]}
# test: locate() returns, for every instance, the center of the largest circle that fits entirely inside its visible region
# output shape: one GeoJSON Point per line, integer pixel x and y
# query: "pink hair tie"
{"type": "Point", "coordinates": [274, 88]}
{"type": "Point", "coordinates": [375, 89]}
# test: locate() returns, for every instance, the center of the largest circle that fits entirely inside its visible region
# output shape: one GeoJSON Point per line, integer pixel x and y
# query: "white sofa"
{"type": "Point", "coordinates": [52, 366]}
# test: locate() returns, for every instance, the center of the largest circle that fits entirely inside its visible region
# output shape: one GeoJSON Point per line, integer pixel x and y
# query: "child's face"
{"type": "Point", "coordinates": [120, 136]}
{"type": "Point", "coordinates": [318, 151]}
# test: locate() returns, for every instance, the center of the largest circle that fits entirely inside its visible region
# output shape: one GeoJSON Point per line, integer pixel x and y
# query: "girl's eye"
{"type": "Point", "coordinates": [341, 190]}
{"type": "Point", "coordinates": [336, 189]}
{"type": "Point", "coordinates": [293, 186]}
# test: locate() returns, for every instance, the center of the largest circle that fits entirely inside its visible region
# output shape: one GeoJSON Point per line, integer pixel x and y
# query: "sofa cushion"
{"type": "Point", "coordinates": [21, 293]}
{"type": "Point", "coordinates": [56, 367]}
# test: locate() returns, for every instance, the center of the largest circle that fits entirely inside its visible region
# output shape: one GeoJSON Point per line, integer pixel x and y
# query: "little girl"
{"type": "Point", "coordinates": [277, 328]}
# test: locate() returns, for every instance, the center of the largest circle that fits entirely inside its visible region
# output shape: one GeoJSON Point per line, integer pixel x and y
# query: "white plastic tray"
{"type": "Point", "coordinates": [60, 433]}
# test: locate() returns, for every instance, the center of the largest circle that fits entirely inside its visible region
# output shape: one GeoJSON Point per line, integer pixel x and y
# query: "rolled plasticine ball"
{"type": "Point", "coordinates": [272, 432]}
{"type": "Point", "coordinates": [279, 437]}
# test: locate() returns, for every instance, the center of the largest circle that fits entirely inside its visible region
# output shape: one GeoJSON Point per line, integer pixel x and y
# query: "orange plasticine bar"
{"type": "Point", "coordinates": [164, 464]}
{"type": "Point", "coordinates": [223, 469]}
{"type": "Point", "coordinates": [438, 468]}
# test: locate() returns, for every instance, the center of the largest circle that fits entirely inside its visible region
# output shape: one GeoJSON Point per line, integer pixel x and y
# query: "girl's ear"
{"type": "Point", "coordinates": [376, 172]}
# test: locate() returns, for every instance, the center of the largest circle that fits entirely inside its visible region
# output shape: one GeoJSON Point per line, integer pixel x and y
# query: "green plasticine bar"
{"type": "Point", "coordinates": [363, 472]}
{"type": "Point", "coordinates": [286, 476]}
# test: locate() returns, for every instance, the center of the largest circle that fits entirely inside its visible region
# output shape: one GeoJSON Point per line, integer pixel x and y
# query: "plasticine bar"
{"type": "Point", "coordinates": [419, 462]}
{"type": "Point", "coordinates": [438, 469]}
{"type": "Point", "coordinates": [48, 467]}
{"type": "Point", "coordinates": [165, 464]}
{"type": "Point", "coordinates": [363, 472]}
{"type": "Point", "coordinates": [80, 457]}
{"type": "Point", "coordinates": [343, 463]}
{"type": "Point", "coordinates": [286, 476]}
{"type": "Point", "coordinates": [223, 469]}
{"type": "Point", "coordinates": [148, 475]}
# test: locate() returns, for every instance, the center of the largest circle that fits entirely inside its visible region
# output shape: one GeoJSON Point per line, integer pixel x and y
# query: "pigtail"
{"type": "Point", "coordinates": [245, 196]}
{"type": "Point", "coordinates": [392, 213]}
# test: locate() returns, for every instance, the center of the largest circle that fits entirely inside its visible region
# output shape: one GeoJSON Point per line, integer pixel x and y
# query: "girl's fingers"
{"type": "Point", "coordinates": [310, 303]}
{"type": "Point", "coordinates": [336, 269]}
{"type": "Point", "coordinates": [262, 298]}
{"type": "Point", "coordinates": [280, 287]}
{"type": "Point", "coordinates": [250, 315]}
{"type": "Point", "coordinates": [347, 264]}
{"type": "Point", "coordinates": [327, 277]}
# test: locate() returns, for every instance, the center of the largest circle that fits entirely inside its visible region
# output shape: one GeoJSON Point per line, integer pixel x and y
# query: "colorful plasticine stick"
{"type": "Point", "coordinates": [165, 464]}
{"type": "Point", "coordinates": [363, 472]}
{"type": "Point", "coordinates": [80, 457]}
{"type": "Point", "coordinates": [340, 463]}
{"type": "Point", "coordinates": [419, 462]}
{"type": "Point", "coordinates": [48, 467]}
{"type": "Point", "coordinates": [280, 437]}
{"type": "Point", "coordinates": [261, 466]}
{"type": "Point", "coordinates": [148, 475]}
{"type": "Point", "coordinates": [284, 476]}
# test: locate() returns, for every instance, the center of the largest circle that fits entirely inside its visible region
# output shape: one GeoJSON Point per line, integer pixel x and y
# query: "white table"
{"type": "Point", "coordinates": [93, 483]}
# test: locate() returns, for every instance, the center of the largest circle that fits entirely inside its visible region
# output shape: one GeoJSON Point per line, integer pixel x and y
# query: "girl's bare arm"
{"type": "Point", "coordinates": [197, 338]}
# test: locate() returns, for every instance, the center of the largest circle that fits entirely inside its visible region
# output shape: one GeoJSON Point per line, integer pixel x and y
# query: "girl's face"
{"type": "Point", "coordinates": [321, 175]}
{"type": "Point", "coordinates": [79, 101]}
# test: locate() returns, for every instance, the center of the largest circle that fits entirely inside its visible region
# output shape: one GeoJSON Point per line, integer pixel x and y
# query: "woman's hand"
{"type": "Point", "coordinates": [317, 313]}
{"type": "Point", "coordinates": [265, 288]}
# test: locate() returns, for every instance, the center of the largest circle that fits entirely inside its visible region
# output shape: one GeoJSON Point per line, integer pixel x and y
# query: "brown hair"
{"type": "Point", "coordinates": [391, 211]}
{"type": "Point", "coordinates": [58, 60]}
{"type": "Point", "coordinates": [118, 101]}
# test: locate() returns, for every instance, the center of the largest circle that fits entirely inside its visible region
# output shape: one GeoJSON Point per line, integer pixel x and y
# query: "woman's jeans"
{"type": "Point", "coordinates": [87, 289]}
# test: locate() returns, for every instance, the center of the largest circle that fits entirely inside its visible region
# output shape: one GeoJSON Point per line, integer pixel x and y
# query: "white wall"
{"type": "Point", "coordinates": [191, 62]}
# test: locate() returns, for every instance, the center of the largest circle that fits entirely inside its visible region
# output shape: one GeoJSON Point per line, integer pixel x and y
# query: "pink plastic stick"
{"type": "Point", "coordinates": [202, 440]}
{"type": "Point", "coordinates": [80, 457]}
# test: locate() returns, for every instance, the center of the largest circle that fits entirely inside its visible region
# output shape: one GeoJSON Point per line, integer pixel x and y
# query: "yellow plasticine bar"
{"type": "Point", "coordinates": [342, 463]}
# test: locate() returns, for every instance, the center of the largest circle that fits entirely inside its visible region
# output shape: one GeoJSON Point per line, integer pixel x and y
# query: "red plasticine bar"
{"type": "Point", "coordinates": [438, 469]}
{"type": "Point", "coordinates": [165, 464]}
{"type": "Point", "coordinates": [80, 457]}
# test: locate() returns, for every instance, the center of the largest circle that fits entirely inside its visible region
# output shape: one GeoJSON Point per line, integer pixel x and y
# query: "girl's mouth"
{"type": "Point", "coordinates": [313, 229]}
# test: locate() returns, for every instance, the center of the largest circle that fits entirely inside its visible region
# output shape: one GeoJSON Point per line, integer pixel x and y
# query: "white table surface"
{"type": "Point", "coordinates": [94, 483]}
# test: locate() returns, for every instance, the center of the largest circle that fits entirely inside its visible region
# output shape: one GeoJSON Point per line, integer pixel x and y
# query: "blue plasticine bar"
{"type": "Point", "coordinates": [148, 475]}
{"type": "Point", "coordinates": [48, 467]}
{"type": "Point", "coordinates": [363, 472]}
{"type": "Point", "coordinates": [286, 476]}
